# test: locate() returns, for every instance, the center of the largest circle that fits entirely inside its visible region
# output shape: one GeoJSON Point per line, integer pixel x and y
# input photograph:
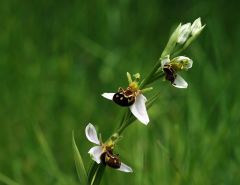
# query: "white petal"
{"type": "Point", "coordinates": [196, 26]}
{"type": "Point", "coordinates": [184, 32]}
{"type": "Point", "coordinates": [165, 60]}
{"type": "Point", "coordinates": [139, 109]}
{"type": "Point", "coordinates": [190, 63]}
{"type": "Point", "coordinates": [95, 153]}
{"type": "Point", "coordinates": [108, 95]}
{"type": "Point", "coordinates": [91, 134]}
{"type": "Point", "coordinates": [125, 168]}
{"type": "Point", "coordinates": [179, 82]}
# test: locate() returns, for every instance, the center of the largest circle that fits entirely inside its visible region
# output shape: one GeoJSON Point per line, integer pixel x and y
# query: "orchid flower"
{"type": "Point", "coordinates": [171, 67]}
{"type": "Point", "coordinates": [103, 153]}
{"type": "Point", "coordinates": [131, 97]}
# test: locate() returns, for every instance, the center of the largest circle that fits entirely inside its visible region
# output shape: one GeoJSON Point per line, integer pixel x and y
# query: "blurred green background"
{"type": "Point", "coordinates": [57, 57]}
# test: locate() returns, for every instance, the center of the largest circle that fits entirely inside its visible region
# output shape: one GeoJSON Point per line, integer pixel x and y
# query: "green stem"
{"type": "Point", "coordinates": [125, 117]}
{"type": "Point", "coordinates": [145, 82]}
{"type": "Point", "coordinates": [131, 118]}
{"type": "Point", "coordinates": [123, 127]}
{"type": "Point", "coordinates": [156, 77]}
{"type": "Point", "coordinates": [178, 51]}
{"type": "Point", "coordinates": [185, 46]}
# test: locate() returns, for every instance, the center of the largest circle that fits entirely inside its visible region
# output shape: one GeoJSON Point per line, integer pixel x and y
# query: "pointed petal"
{"type": "Point", "coordinates": [91, 134]}
{"type": "Point", "coordinates": [179, 82]}
{"type": "Point", "coordinates": [95, 153]}
{"type": "Point", "coordinates": [139, 110]}
{"type": "Point", "coordinates": [184, 32]}
{"type": "Point", "coordinates": [165, 60]}
{"type": "Point", "coordinates": [196, 26]}
{"type": "Point", "coordinates": [108, 95]}
{"type": "Point", "coordinates": [125, 168]}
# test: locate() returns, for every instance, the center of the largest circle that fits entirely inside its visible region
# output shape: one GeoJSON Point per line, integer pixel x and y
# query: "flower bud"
{"type": "Point", "coordinates": [196, 27]}
{"type": "Point", "coordinates": [184, 33]}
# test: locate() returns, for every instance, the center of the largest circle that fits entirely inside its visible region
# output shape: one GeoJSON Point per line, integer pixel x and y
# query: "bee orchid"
{"type": "Point", "coordinates": [131, 97]}
{"type": "Point", "coordinates": [103, 152]}
{"type": "Point", "coordinates": [171, 67]}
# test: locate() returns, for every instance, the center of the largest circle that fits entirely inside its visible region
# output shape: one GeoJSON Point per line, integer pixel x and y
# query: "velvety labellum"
{"type": "Point", "coordinates": [170, 74]}
{"type": "Point", "coordinates": [124, 100]}
{"type": "Point", "coordinates": [111, 160]}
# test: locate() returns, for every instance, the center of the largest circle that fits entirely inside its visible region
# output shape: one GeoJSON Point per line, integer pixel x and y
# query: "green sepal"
{"type": "Point", "coordinates": [171, 42]}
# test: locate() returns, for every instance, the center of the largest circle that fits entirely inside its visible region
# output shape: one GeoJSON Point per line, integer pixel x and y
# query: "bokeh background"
{"type": "Point", "coordinates": [57, 57]}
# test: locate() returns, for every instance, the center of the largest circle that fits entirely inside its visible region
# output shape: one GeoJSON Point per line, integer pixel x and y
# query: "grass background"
{"type": "Point", "coordinates": [57, 57]}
